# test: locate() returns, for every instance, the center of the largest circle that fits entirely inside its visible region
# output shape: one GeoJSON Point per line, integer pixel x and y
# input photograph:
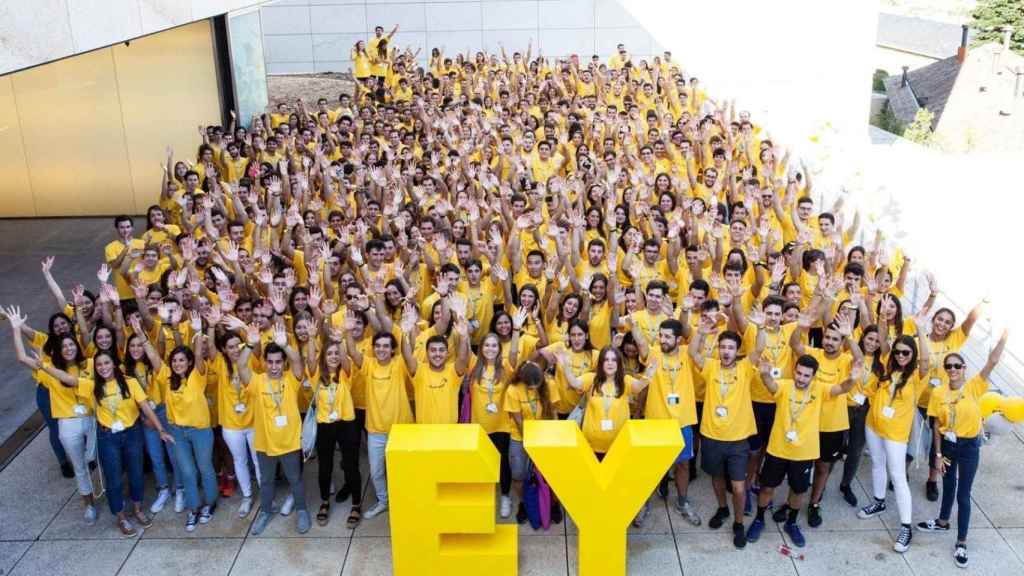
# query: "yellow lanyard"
{"type": "Point", "coordinates": [797, 407]}
{"type": "Point", "coordinates": [112, 402]}
{"type": "Point", "coordinates": [952, 408]}
{"type": "Point", "coordinates": [723, 386]}
{"type": "Point", "coordinates": [277, 396]}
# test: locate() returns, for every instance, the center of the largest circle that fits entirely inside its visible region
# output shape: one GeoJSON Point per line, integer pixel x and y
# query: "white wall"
{"type": "Point", "coordinates": [301, 36]}
{"type": "Point", "coordinates": [37, 31]}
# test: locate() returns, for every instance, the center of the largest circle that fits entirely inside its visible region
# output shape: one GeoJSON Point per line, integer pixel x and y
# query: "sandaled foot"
{"type": "Point", "coordinates": [355, 516]}
{"type": "Point", "coordinates": [324, 513]}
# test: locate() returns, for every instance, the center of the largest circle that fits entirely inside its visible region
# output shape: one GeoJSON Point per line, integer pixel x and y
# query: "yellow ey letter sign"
{"type": "Point", "coordinates": [441, 485]}
{"type": "Point", "coordinates": [603, 497]}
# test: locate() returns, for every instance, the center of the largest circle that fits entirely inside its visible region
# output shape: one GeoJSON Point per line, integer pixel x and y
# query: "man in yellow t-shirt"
{"type": "Point", "coordinates": [436, 386]}
{"type": "Point", "coordinates": [727, 422]}
{"type": "Point", "coordinates": [793, 445]}
{"type": "Point", "coordinates": [124, 248]}
{"type": "Point", "coordinates": [275, 395]}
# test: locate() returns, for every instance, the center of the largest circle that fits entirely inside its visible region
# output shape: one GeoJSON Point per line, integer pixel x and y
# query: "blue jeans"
{"type": "Point", "coordinates": [43, 403]}
{"type": "Point", "coordinates": [964, 456]}
{"type": "Point", "coordinates": [159, 452]}
{"type": "Point", "coordinates": [193, 451]}
{"type": "Point", "coordinates": [375, 445]}
{"type": "Point", "coordinates": [121, 451]}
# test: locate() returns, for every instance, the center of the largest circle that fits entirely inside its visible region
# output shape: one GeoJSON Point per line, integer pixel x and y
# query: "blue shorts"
{"type": "Point", "coordinates": [687, 453]}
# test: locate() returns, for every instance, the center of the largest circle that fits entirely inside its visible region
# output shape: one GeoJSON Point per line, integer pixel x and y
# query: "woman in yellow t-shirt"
{"type": "Point", "coordinates": [336, 426]}
{"type": "Point", "coordinates": [137, 365]}
{"type": "Point", "coordinates": [360, 62]}
{"type": "Point", "coordinates": [581, 358]}
{"type": "Point", "coordinates": [957, 440]}
{"type": "Point", "coordinates": [183, 378]}
{"type": "Point", "coordinates": [73, 414]}
{"type": "Point", "coordinates": [486, 383]}
{"type": "Point", "coordinates": [890, 418]}
{"type": "Point", "coordinates": [530, 396]}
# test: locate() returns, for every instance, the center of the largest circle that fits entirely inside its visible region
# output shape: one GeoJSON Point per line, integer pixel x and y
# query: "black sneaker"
{"type": "Point", "coordinates": [521, 515]}
{"type": "Point", "coordinates": [960, 555]}
{"type": "Point", "coordinates": [67, 470]}
{"type": "Point", "coordinates": [190, 521]}
{"type": "Point", "coordinates": [814, 515]}
{"type": "Point", "coordinates": [556, 513]}
{"type": "Point", "coordinates": [848, 495]}
{"type": "Point", "coordinates": [739, 535]}
{"type": "Point", "coordinates": [933, 526]}
{"type": "Point", "coordinates": [903, 539]}
{"type": "Point", "coordinates": [719, 518]}
{"type": "Point", "coordinates": [782, 514]}
{"type": "Point", "coordinates": [931, 491]}
{"type": "Point", "coordinates": [871, 510]}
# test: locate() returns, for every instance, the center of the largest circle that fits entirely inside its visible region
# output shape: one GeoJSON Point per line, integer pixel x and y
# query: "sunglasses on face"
{"type": "Point", "coordinates": [901, 352]}
{"type": "Point", "coordinates": [953, 366]}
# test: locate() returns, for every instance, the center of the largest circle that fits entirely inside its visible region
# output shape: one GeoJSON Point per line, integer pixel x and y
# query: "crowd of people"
{"type": "Point", "coordinates": [497, 239]}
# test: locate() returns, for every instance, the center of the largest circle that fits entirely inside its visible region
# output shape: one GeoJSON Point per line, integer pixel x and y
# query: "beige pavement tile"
{"type": "Point", "coordinates": [155, 557]}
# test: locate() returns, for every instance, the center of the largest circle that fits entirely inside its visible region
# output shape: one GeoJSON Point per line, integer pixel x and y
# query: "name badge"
{"type": "Point", "coordinates": [333, 416]}
{"type": "Point", "coordinates": [240, 408]}
{"type": "Point", "coordinates": [672, 399]}
{"type": "Point", "coordinates": [607, 425]}
{"type": "Point", "coordinates": [492, 408]}
{"type": "Point", "coordinates": [306, 384]}
{"type": "Point", "coordinates": [81, 410]}
{"type": "Point", "coordinates": [721, 411]}
{"type": "Point", "coordinates": [280, 421]}
{"type": "Point", "coordinates": [117, 426]}
{"type": "Point", "coordinates": [888, 411]}
{"type": "Point", "coordinates": [792, 436]}
{"type": "Point", "coordinates": [775, 372]}
{"type": "Point", "coordinates": [152, 405]}
{"type": "Point", "coordinates": [951, 436]}
{"type": "Point", "coordinates": [935, 382]}
{"type": "Point", "coordinates": [859, 399]}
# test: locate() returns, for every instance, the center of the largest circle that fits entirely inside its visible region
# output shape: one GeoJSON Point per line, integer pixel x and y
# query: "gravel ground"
{"type": "Point", "coordinates": [309, 86]}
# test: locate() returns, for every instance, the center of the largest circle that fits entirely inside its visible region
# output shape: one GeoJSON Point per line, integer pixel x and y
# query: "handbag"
{"type": "Point", "coordinates": [466, 409]}
{"type": "Point", "coordinates": [308, 438]}
{"type": "Point", "coordinates": [537, 499]}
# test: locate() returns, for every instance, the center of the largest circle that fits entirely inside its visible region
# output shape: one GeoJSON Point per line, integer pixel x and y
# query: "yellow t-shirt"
{"type": "Point", "coordinates": [334, 400]}
{"type": "Point", "coordinates": [65, 399]}
{"type": "Point", "coordinates": [601, 325]}
{"type": "Point", "coordinates": [387, 399]}
{"type": "Point", "coordinates": [937, 352]}
{"type": "Point", "coordinates": [187, 405]}
{"type": "Point", "coordinates": [832, 372]}
{"type": "Point", "coordinates": [110, 253]}
{"type": "Point", "coordinates": [795, 431]}
{"type": "Point", "coordinates": [148, 382]}
{"type": "Point", "coordinates": [728, 413]}
{"type": "Point", "coordinates": [276, 414]}
{"type": "Point", "coordinates": [776, 348]}
{"type": "Point", "coordinates": [234, 402]}
{"type": "Point", "coordinates": [670, 393]}
{"type": "Point", "coordinates": [891, 415]}
{"type": "Point", "coordinates": [436, 394]}
{"type": "Point", "coordinates": [581, 363]}
{"type": "Point", "coordinates": [605, 413]}
{"type": "Point", "coordinates": [649, 325]}
{"type": "Point", "coordinates": [959, 411]}
{"type": "Point", "coordinates": [488, 398]}
{"type": "Point", "coordinates": [526, 402]}
{"type": "Point", "coordinates": [114, 408]}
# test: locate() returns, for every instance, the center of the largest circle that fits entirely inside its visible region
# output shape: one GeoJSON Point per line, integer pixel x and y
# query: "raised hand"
{"type": "Point", "coordinates": [280, 336]}
{"type": "Point", "coordinates": [103, 274]}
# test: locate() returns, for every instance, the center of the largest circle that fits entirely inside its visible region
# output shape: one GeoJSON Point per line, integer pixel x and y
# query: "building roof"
{"type": "Point", "coordinates": [974, 103]}
{"type": "Point", "coordinates": [918, 35]}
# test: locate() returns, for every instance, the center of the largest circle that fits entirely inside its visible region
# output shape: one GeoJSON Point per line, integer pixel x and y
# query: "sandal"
{"type": "Point", "coordinates": [324, 513]}
{"type": "Point", "coordinates": [355, 516]}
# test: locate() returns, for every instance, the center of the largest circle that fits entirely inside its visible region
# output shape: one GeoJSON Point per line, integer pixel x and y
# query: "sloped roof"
{"type": "Point", "coordinates": [930, 87]}
{"type": "Point", "coordinates": [918, 35]}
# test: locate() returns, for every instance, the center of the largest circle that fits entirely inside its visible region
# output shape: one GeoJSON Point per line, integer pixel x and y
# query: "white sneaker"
{"type": "Point", "coordinates": [179, 500]}
{"type": "Point", "coordinates": [376, 510]}
{"type": "Point", "coordinates": [161, 500]}
{"type": "Point", "coordinates": [245, 507]}
{"type": "Point", "coordinates": [506, 507]}
{"type": "Point", "coordinates": [91, 515]}
{"type": "Point", "coordinates": [287, 505]}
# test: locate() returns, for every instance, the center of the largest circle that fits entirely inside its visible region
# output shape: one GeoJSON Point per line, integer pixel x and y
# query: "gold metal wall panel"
{"type": "Point", "coordinates": [168, 87]}
{"type": "Point", "coordinates": [74, 138]}
{"type": "Point", "coordinates": [15, 191]}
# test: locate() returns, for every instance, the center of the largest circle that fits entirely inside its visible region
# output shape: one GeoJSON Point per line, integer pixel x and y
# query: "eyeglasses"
{"type": "Point", "coordinates": [953, 366]}
{"type": "Point", "coordinates": [902, 352]}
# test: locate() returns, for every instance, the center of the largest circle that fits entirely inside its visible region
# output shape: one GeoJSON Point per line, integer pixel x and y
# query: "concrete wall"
{"type": "Point", "coordinates": [33, 32]}
{"type": "Point", "coordinates": [302, 36]}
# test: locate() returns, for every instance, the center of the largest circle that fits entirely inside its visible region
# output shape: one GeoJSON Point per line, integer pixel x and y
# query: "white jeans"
{"type": "Point", "coordinates": [890, 456]}
{"type": "Point", "coordinates": [375, 444]}
{"type": "Point", "coordinates": [243, 451]}
{"type": "Point", "coordinates": [78, 436]}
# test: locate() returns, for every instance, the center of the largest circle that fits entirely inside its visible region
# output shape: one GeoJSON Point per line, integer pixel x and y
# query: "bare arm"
{"type": "Point", "coordinates": [994, 356]}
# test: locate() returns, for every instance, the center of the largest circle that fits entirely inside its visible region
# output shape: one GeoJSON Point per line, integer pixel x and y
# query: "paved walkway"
{"type": "Point", "coordinates": [42, 532]}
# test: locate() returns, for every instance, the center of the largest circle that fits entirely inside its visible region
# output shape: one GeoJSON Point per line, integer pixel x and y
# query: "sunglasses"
{"type": "Point", "coordinates": [902, 352]}
{"type": "Point", "coordinates": [953, 366]}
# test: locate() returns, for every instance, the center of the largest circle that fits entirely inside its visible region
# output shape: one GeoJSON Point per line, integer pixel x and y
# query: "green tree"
{"type": "Point", "coordinates": [920, 130]}
{"type": "Point", "coordinates": [990, 15]}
